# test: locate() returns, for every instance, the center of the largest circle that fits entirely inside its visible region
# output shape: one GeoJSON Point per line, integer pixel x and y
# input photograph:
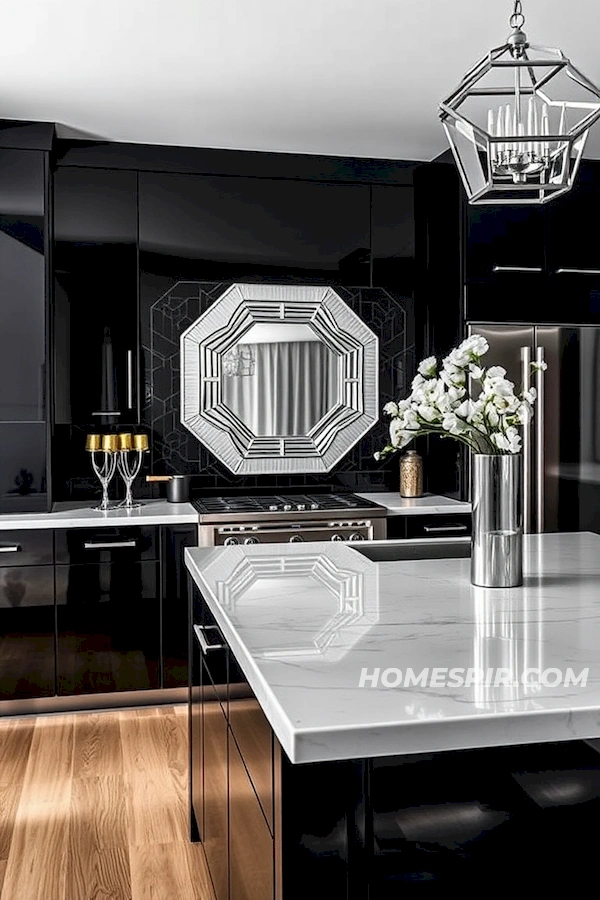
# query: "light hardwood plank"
{"type": "Point", "coordinates": [2, 871]}
{"type": "Point", "coordinates": [100, 875]}
{"type": "Point", "coordinates": [9, 803]}
{"type": "Point", "coordinates": [152, 757]}
{"type": "Point", "coordinates": [15, 743]}
{"type": "Point", "coordinates": [165, 871]}
{"type": "Point", "coordinates": [37, 860]}
{"type": "Point", "coordinates": [97, 745]}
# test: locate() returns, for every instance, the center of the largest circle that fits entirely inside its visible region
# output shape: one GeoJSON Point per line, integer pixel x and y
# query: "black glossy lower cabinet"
{"type": "Point", "coordinates": [26, 632]}
{"type": "Point", "coordinates": [108, 627]}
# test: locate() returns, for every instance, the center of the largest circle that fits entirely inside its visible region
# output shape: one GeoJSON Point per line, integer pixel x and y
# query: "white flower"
{"type": "Point", "coordinates": [476, 372]}
{"type": "Point", "coordinates": [377, 455]}
{"type": "Point", "coordinates": [500, 440]}
{"type": "Point", "coordinates": [398, 436]}
{"type": "Point", "coordinates": [391, 408]}
{"type": "Point", "coordinates": [514, 439]}
{"type": "Point", "coordinates": [475, 346]}
{"type": "Point", "coordinates": [495, 372]}
{"type": "Point", "coordinates": [530, 396]}
{"type": "Point", "coordinates": [409, 419]}
{"type": "Point", "coordinates": [453, 376]}
{"type": "Point", "coordinates": [417, 381]}
{"type": "Point", "coordinates": [539, 366]}
{"type": "Point", "coordinates": [492, 415]}
{"type": "Point", "coordinates": [453, 424]}
{"type": "Point", "coordinates": [429, 413]}
{"type": "Point", "coordinates": [428, 367]}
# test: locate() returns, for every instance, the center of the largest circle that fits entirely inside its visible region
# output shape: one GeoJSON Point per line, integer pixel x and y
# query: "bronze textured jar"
{"type": "Point", "coordinates": [411, 474]}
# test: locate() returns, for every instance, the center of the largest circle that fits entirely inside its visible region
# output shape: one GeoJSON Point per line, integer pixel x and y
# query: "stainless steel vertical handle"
{"type": "Point", "coordinates": [540, 428]}
{"type": "Point", "coordinates": [527, 499]}
{"type": "Point", "coordinates": [130, 379]}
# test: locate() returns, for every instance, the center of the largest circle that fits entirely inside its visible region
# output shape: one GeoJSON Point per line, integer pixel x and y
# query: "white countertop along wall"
{"type": "Point", "coordinates": [304, 620]}
{"type": "Point", "coordinates": [78, 515]}
{"type": "Point", "coordinates": [429, 504]}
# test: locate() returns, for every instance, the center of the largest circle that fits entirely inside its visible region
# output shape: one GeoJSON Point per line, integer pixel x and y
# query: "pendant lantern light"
{"type": "Point", "coordinates": [518, 122]}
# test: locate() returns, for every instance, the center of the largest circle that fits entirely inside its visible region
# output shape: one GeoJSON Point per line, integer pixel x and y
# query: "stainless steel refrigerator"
{"type": "Point", "coordinates": [561, 447]}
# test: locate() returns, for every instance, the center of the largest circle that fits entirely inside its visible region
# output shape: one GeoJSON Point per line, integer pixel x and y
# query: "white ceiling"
{"type": "Point", "coordinates": [347, 77]}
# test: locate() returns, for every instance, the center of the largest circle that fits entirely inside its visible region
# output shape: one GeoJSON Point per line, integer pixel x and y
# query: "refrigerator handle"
{"type": "Point", "coordinates": [527, 498]}
{"type": "Point", "coordinates": [540, 428]}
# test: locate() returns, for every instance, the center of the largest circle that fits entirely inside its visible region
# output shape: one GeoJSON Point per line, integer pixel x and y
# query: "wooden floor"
{"type": "Point", "coordinates": [93, 806]}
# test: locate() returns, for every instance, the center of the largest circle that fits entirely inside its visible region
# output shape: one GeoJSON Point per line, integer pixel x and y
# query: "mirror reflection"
{"type": "Point", "coordinates": [280, 379]}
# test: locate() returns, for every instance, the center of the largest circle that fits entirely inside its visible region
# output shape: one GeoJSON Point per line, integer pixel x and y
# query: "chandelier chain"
{"type": "Point", "coordinates": [517, 20]}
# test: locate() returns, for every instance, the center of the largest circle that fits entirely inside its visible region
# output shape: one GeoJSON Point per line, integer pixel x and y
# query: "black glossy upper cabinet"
{"type": "Point", "coordinates": [22, 330]}
{"type": "Point", "coordinates": [393, 237]}
{"type": "Point", "coordinates": [212, 228]}
{"type": "Point", "coordinates": [96, 297]}
{"type": "Point", "coordinates": [505, 242]}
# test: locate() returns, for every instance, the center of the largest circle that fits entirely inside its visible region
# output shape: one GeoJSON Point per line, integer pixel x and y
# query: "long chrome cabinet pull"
{"type": "Point", "coordinates": [130, 379]}
{"type": "Point", "coordinates": [108, 545]}
{"type": "Point", "coordinates": [206, 647]}
{"type": "Point", "coordinates": [577, 272]}
{"type": "Point", "coordinates": [527, 500]}
{"type": "Point", "coordinates": [439, 529]}
{"type": "Point", "coordinates": [540, 428]}
{"type": "Point", "coordinates": [517, 269]}
{"type": "Point", "coordinates": [10, 548]}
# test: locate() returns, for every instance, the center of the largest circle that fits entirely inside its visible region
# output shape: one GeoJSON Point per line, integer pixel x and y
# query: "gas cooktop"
{"type": "Point", "coordinates": [284, 503]}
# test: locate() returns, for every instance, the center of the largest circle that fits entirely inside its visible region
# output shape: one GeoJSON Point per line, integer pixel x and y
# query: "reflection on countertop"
{"type": "Point", "coordinates": [293, 621]}
{"type": "Point", "coordinates": [80, 515]}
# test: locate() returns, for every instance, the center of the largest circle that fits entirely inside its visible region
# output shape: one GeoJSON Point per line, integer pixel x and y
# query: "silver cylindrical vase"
{"type": "Point", "coordinates": [497, 542]}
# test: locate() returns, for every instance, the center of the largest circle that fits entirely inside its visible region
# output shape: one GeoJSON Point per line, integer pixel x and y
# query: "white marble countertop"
{"type": "Point", "coordinates": [79, 515]}
{"type": "Point", "coordinates": [429, 504]}
{"type": "Point", "coordinates": [304, 620]}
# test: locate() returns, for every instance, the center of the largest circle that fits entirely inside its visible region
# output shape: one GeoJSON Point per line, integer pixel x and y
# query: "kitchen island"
{"type": "Point", "coordinates": [395, 785]}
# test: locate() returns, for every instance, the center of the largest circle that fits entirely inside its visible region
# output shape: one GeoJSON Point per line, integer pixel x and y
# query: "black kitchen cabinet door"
{"type": "Point", "coordinates": [251, 848]}
{"type": "Point", "coordinates": [175, 604]}
{"type": "Point", "coordinates": [22, 286]}
{"type": "Point", "coordinates": [23, 482]}
{"type": "Point", "coordinates": [95, 297]}
{"type": "Point", "coordinates": [26, 632]}
{"type": "Point", "coordinates": [574, 252]}
{"type": "Point", "coordinates": [108, 621]}
{"type": "Point", "coordinates": [506, 244]}
{"type": "Point", "coordinates": [211, 228]}
{"type": "Point", "coordinates": [214, 761]}
{"type": "Point", "coordinates": [393, 237]}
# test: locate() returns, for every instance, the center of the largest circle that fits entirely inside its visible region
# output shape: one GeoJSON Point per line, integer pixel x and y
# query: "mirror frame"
{"type": "Point", "coordinates": [216, 331]}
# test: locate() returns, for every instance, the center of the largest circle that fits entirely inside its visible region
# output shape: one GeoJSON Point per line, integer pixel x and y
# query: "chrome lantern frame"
{"type": "Point", "coordinates": [527, 147]}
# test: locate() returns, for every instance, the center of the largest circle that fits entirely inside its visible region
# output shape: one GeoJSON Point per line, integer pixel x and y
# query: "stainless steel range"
{"type": "Point", "coordinates": [284, 518]}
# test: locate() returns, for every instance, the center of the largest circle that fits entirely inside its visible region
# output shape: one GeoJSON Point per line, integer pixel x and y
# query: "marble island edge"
{"type": "Point", "coordinates": [304, 663]}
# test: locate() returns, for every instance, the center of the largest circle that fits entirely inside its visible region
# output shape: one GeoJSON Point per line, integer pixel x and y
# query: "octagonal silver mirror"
{"type": "Point", "coordinates": [279, 379]}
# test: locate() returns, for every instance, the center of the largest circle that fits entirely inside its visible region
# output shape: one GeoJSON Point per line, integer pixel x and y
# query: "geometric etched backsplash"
{"type": "Point", "coordinates": [175, 450]}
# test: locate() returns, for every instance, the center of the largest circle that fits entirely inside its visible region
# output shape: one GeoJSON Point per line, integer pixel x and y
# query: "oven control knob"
{"type": "Point", "coordinates": [296, 539]}
{"type": "Point", "coordinates": [300, 505]}
{"type": "Point", "coordinates": [287, 507]}
{"type": "Point", "coordinates": [228, 542]}
{"type": "Point", "coordinates": [251, 540]}
{"type": "Point", "coordinates": [314, 505]}
{"type": "Point", "coordinates": [356, 536]}
{"type": "Point", "coordinates": [273, 507]}
{"type": "Point", "coordinates": [337, 537]}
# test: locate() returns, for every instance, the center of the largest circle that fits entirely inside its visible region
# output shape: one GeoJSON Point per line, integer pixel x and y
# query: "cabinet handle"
{"type": "Point", "coordinates": [206, 647]}
{"type": "Point", "coordinates": [540, 429]}
{"type": "Point", "coordinates": [130, 379]}
{"type": "Point", "coordinates": [526, 383]}
{"type": "Point", "coordinates": [577, 272]}
{"type": "Point", "coordinates": [10, 548]}
{"type": "Point", "coordinates": [100, 413]}
{"type": "Point", "coordinates": [517, 269]}
{"type": "Point", "coordinates": [108, 545]}
{"type": "Point", "coordinates": [439, 529]}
